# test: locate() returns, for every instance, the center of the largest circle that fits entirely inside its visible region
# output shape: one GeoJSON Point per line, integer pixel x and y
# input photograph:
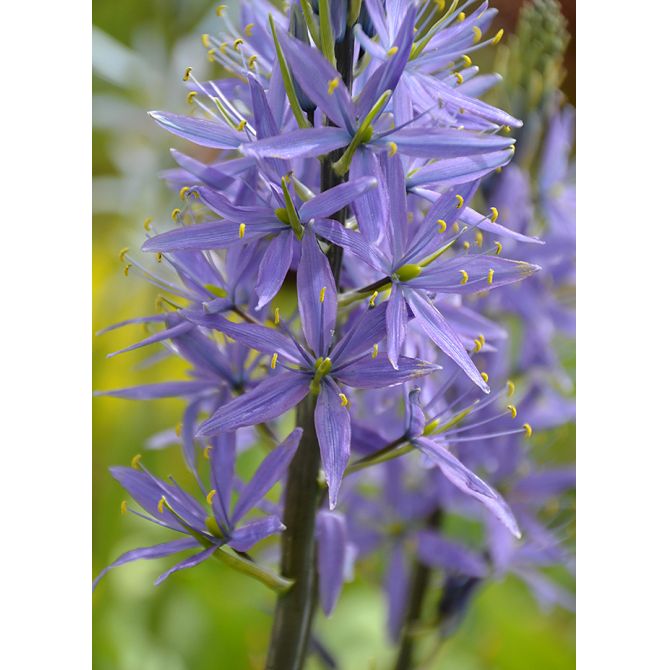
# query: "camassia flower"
{"type": "Point", "coordinates": [216, 524]}
{"type": "Point", "coordinates": [321, 368]}
{"type": "Point", "coordinates": [410, 261]}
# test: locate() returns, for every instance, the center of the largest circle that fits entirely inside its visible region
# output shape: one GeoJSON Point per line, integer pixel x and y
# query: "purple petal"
{"type": "Point", "coordinates": [272, 397]}
{"type": "Point", "coordinates": [371, 209]}
{"type": "Point", "coordinates": [361, 336]}
{"type": "Point", "coordinates": [156, 551]}
{"type": "Point", "coordinates": [314, 74]}
{"type": "Point", "coordinates": [376, 373]}
{"type": "Point", "coordinates": [437, 328]}
{"type": "Point", "coordinates": [354, 242]}
{"type": "Point", "coordinates": [467, 481]}
{"type": "Point", "coordinates": [303, 143]}
{"type": "Point", "coordinates": [189, 562]}
{"type": "Point", "coordinates": [396, 230]}
{"type": "Point", "coordinates": [473, 218]}
{"type": "Point", "coordinates": [396, 324]}
{"type": "Point", "coordinates": [273, 267]}
{"type": "Point", "coordinates": [332, 546]}
{"type": "Point", "coordinates": [334, 199]}
{"type": "Point", "coordinates": [315, 275]}
{"type": "Point", "coordinates": [268, 473]}
{"type": "Point", "coordinates": [200, 131]}
{"type": "Point", "coordinates": [245, 537]}
{"type": "Point", "coordinates": [237, 213]}
{"type": "Point", "coordinates": [397, 584]}
{"type": "Point", "coordinates": [333, 429]}
{"type": "Point", "coordinates": [173, 331]}
{"type": "Point", "coordinates": [445, 143]}
{"type": "Point", "coordinates": [222, 468]}
{"type": "Point", "coordinates": [438, 552]}
{"type": "Point", "coordinates": [161, 390]}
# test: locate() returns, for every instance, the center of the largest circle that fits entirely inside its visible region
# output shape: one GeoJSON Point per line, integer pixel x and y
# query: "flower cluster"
{"type": "Point", "coordinates": [338, 258]}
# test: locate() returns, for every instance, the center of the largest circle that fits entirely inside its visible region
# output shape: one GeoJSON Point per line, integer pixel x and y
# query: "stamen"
{"type": "Point", "coordinates": [512, 410]}
{"type": "Point", "coordinates": [466, 245]}
{"type": "Point", "coordinates": [441, 226]}
{"type": "Point", "coordinates": [485, 377]}
{"type": "Point", "coordinates": [498, 36]}
{"type": "Point", "coordinates": [477, 347]}
{"type": "Point", "coordinates": [467, 60]}
{"type": "Point", "coordinates": [344, 401]}
{"type": "Point", "coordinates": [431, 427]}
{"type": "Point", "coordinates": [479, 238]}
{"type": "Point", "coordinates": [190, 96]}
{"type": "Point", "coordinates": [178, 429]}
{"type": "Point", "coordinates": [510, 388]}
{"type": "Point", "coordinates": [183, 191]}
{"type": "Point", "coordinates": [393, 148]}
{"type": "Point", "coordinates": [147, 223]}
{"type": "Point", "coordinates": [205, 40]}
{"type": "Point", "coordinates": [466, 276]}
{"type": "Point", "coordinates": [243, 227]}
{"type": "Point", "coordinates": [459, 77]}
{"type": "Point", "coordinates": [210, 496]}
{"type": "Point", "coordinates": [161, 505]}
{"type": "Point", "coordinates": [489, 277]}
{"type": "Point", "coordinates": [122, 254]}
{"type": "Point", "coordinates": [135, 462]}
{"type": "Point", "coordinates": [175, 213]}
{"type": "Point", "coordinates": [241, 125]}
{"type": "Point", "coordinates": [498, 248]}
{"type": "Point", "coordinates": [461, 16]}
{"type": "Point", "coordinates": [251, 61]}
{"type": "Point", "coordinates": [455, 227]}
{"type": "Point", "coordinates": [220, 9]}
{"type": "Point", "coordinates": [459, 200]}
{"type": "Point", "coordinates": [373, 297]}
{"type": "Point", "coordinates": [276, 316]}
{"type": "Point", "coordinates": [248, 29]}
{"type": "Point", "coordinates": [205, 453]}
{"type": "Point", "coordinates": [187, 73]}
{"type": "Point", "coordinates": [392, 51]}
{"type": "Point", "coordinates": [494, 215]}
{"type": "Point", "coordinates": [332, 85]}
{"type": "Point", "coordinates": [126, 269]}
{"type": "Point", "coordinates": [375, 350]}
{"type": "Point", "coordinates": [477, 34]}
{"type": "Point", "coordinates": [124, 507]}
{"type": "Point", "coordinates": [528, 429]}
{"type": "Point", "coordinates": [273, 362]}
{"type": "Point", "coordinates": [237, 43]}
{"type": "Point", "coordinates": [322, 294]}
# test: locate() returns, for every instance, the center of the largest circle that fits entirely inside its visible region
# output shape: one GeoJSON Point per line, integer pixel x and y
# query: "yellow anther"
{"type": "Point", "coordinates": [528, 429]}
{"type": "Point", "coordinates": [248, 29]}
{"type": "Point", "coordinates": [223, 46]}
{"type": "Point", "coordinates": [477, 34]}
{"type": "Point", "coordinates": [344, 401]}
{"type": "Point", "coordinates": [147, 223]}
{"type": "Point", "coordinates": [183, 191]}
{"type": "Point", "coordinates": [375, 350]}
{"type": "Point", "coordinates": [122, 254]}
{"type": "Point", "coordinates": [241, 125]}
{"type": "Point", "coordinates": [211, 55]}
{"type": "Point", "coordinates": [441, 225]}
{"type": "Point", "coordinates": [489, 276]}
{"type": "Point", "coordinates": [210, 496]}
{"type": "Point", "coordinates": [205, 40]}
{"type": "Point", "coordinates": [332, 85]}
{"type": "Point", "coordinates": [175, 213]}
{"type": "Point", "coordinates": [507, 129]}
{"type": "Point", "coordinates": [485, 377]}
{"type": "Point", "coordinates": [205, 453]}
{"type": "Point", "coordinates": [459, 201]}
{"type": "Point", "coordinates": [251, 62]}
{"type": "Point", "coordinates": [126, 269]}
{"type": "Point", "coordinates": [373, 297]}
{"type": "Point", "coordinates": [124, 507]}
{"type": "Point", "coordinates": [393, 148]}
{"type": "Point", "coordinates": [512, 411]}
{"type": "Point", "coordinates": [187, 73]}
{"type": "Point", "coordinates": [455, 227]}
{"type": "Point", "coordinates": [479, 238]}
{"type": "Point", "coordinates": [159, 257]}
{"type": "Point", "coordinates": [461, 16]}
{"type": "Point", "coordinates": [392, 51]}
{"type": "Point", "coordinates": [465, 276]}
{"type": "Point", "coordinates": [322, 294]}
{"type": "Point", "coordinates": [477, 347]}
{"type": "Point", "coordinates": [498, 248]}
{"type": "Point", "coordinates": [498, 170]}
{"type": "Point", "coordinates": [190, 96]}
{"type": "Point", "coordinates": [498, 36]}
{"type": "Point", "coordinates": [510, 388]}
{"type": "Point", "coordinates": [135, 461]}
{"type": "Point", "coordinates": [220, 9]}
{"type": "Point", "coordinates": [512, 148]}
{"type": "Point", "coordinates": [161, 505]}
{"type": "Point", "coordinates": [273, 362]}
{"type": "Point", "coordinates": [466, 245]}
{"type": "Point", "coordinates": [236, 44]}
{"type": "Point", "coordinates": [494, 214]}
{"type": "Point", "coordinates": [459, 77]}
{"type": "Point", "coordinates": [178, 429]}
{"type": "Point", "coordinates": [243, 227]}
{"type": "Point", "coordinates": [467, 60]}
{"type": "Point", "coordinates": [276, 316]}
{"type": "Point", "coordinates": [441, 4]}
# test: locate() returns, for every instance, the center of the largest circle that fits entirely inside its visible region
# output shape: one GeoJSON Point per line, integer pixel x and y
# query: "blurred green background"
{"type": "Point", "coordinates": [210, 617]}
